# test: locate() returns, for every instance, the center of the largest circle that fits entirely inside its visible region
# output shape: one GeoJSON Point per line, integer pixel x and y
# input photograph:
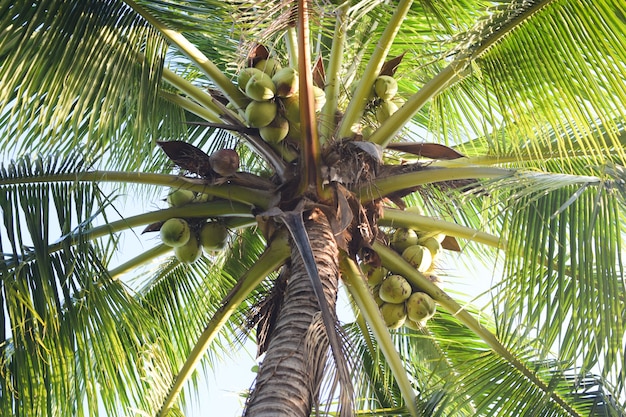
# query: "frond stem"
{"type": "Point", "coordinates": [141, 259]}
{"type": "Point", "coordinates": [191, 90]}
{"type": "Point", "coordinates": [194, 54]}
{"type": "Point", "coordinates": [454, 72]}
{"type": "Point", "coordinates": [355, 283]}
{"type": "Point", "coordinates": [392, 183]}
{"type": "Point", "coordinates": [254, 197]}
{"type": "Point", "coordinates": [357, 103]}
{"type": "Point", "coordinates": [402, 218]}
{"type": "Point", "coordinates": [332, 74]}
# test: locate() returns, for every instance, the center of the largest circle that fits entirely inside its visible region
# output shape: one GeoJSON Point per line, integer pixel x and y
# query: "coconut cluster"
{"type": "Point", "coordinates": [399, 302]}
{"type": "Point", "coordinates": [275, 103]}
{"type": "Point", "coordinates": [189, 238]}
{"type": "Point", "coordinates": [387, 102]}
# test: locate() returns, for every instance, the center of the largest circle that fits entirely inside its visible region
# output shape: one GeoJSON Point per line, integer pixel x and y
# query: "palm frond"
{"type": "Point", "coordinates": [564, 283]}
{"type": "Point", "coordinates": [545, 76]}
{"type": "Point", "coordinates": [56, 303]}
{"type": "Point", "coordinates": [82, 74]}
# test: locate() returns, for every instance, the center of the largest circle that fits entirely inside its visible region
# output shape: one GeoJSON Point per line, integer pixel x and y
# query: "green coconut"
{"type": "Point", "coordinates": [245, 75]}
{"type": "Point", "coordinates": [175, 232]}
{"type": "Point", "coordinates": [415, 325]}
{"type": "Point", "coordinates": [319, 96]}
{"type": "Point", "coordinates": [260, 113]}
{"type": "Point", "coordinates": [420, 306]}
{"type": "Point", "coordinates": [178, 197]}
{"type": "Point", "coordinates": [385, 87]}
{"type": "Point", "coordinates": [213, 236]}
{"type": "Point", "coordinates": [276, 131]}
{"type": "Point", "coordinates": [395, 289]}
{"type": "Point", "coordinates": [432, 244]}
{"type": "Point", "coordinates": [418, 256]}
{"type": "Point", "coordinates": [190, 252]}
{"type": "Point", "coordinates": [402, 238]}
{"type": "Point", "coordinates": [268, 66]}
{"type": "Point", "coordinates": [394, 315]}
{"type": "Point", "coordinates": [286, 82]}
{"type": "Point", "coordinates": [384, 110]}
{"type": "Point", "coordinates": [374, 274]}
{"type": "Point", "coordinates": [260, 87]}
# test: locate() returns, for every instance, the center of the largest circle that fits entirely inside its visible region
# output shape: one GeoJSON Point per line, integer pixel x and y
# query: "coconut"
{"type": "Point", "coordinates": [385, 87]}
{"type": "Point", "coordinates": [175, 232]}
{"type": "Point", "coordinates": [178, 197]}
{"type": "Point", "coordinates": [286, 81]}
{"type": "Point", "coordinates": [190, 252]}
{"type": "Point", "coordinates": [415, 325]}
{"type": "Point", "coordinates": [395, 289]}
{"type": "Point", "coordinates": [319, 96]}
{"type": "Point", "coordinates": [268, 66]}
{"type": "Point", "coordinates": [432, 244]}
{"type": "Point", "coordinates": [213, 236]}
{"type": "Point", "coordinates": [384, 110]}
{"type": "Point", "coordinates": [295, 132]}
{"type": "Point", "coordinates": [224, 161]}
{"type": "Point", "coordinates": [245, 75]}
{"type": "Point", "coordinates": [420, 306]}
{"type": "Point", "coordinates": [418, 256]}
{"type": "Point", "coordinates": [260, 113]}
{"type": "Point", "coordinates": [402, 238]}
{"type": "Point", "coordinates": [399, 101]}
{"type": "Point", "coordinates": [203, 198]}
{"type": "Point", "coordinates": [276, 131]}
{"type": "Point", "coordinates": [375, 275]}
{"type": "Point", "coordinates": [376, 294]}
{"type": "Point", "coordinates": [394, 315]}
{"type": "Point", "coordinates": [260, 87]}
{"type": "Point", "coordinates": [291, 107]}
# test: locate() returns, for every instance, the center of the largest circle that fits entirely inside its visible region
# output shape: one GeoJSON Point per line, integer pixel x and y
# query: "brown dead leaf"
{"type": "Point", "coordinates": [188, 157]}
{"type": "Point", "coordinates": [427, 150]}
{"type": "Point", "coordinates": [257, 53]}
{"type": "Point", "coordinates": [390, 67]}
{"type": "Point", "coordinates": [319, 75]}
{"type": "Point", "coordinates": [450, 243]}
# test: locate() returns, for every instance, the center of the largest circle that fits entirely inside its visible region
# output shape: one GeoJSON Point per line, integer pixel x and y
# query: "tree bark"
{"type": "Point", "coordinates": [290, 376]}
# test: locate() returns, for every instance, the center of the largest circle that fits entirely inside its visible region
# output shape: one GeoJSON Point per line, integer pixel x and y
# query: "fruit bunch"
{"type": "Point", "coordinates": [399, 302]}
{"type": "Point", "coordinates": [190, 237]}
{"type": "Point", "coordinates": [275, 104]}
{"type": "Point", "coordinates": [386, 101]}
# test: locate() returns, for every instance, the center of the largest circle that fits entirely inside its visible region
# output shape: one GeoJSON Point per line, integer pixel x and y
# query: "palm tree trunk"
{"type": "Point", "coordinates": [291, 373]}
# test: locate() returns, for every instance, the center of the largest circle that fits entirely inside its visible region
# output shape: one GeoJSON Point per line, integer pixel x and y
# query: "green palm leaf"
{"type": "Point", "coordinates": [55, 84]}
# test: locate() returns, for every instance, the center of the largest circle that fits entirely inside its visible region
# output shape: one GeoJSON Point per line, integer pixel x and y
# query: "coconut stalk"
{"type": "Point", "coordinates": [211, 70]}
{"type": "Point", "coordinates": [402, 218]}
{"type": "Point", "coordinates": [251, 196]}
{"type": "Point", "coordinates": [357, 104]}
{"type": "Point", "coordinates": [332, 74]}
{"type": "Point", "coordinates": [311, 152]}
{"type": "Point", "coordinates": [355, 283]}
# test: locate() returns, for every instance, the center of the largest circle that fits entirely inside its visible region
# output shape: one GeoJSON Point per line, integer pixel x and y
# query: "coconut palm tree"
{"type": "Point", "coordinates": [406, 143]}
